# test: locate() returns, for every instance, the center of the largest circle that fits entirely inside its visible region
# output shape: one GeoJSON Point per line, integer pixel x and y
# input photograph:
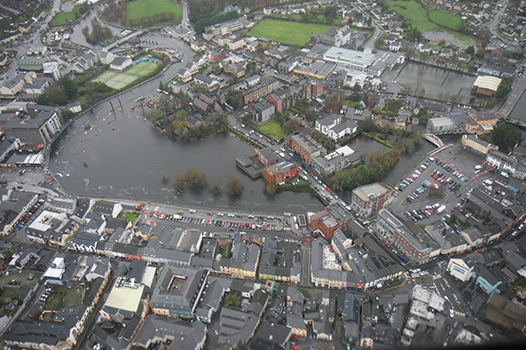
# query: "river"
{"type": "Point", "coordinates": [439, 83]}
{"type": "Point", "coordinates": [126, 157]}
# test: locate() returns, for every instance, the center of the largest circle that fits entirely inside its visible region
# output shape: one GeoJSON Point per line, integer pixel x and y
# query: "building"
{"type": "Point", "coordinates": [280, 173]}
{"type": "Point", "coordinates": [12, 87]}
{"type": "Point", "coordinates": [181, 335]}
{"type": "Point", "coordinates": [319, 69]}
{"type": "Point", "coordinates": [206, 81]}
{"type": "Point", "coordinates": [459, 269]}
{"type": "Point", "coordinates": [342, 157]}
{"type": "Point", "coordinates": [486, 85]}
{"type": "Point", "coordinates": [316, 88]}
{"type": "Point", "coordinates": [350, 59]}
{"type": "Point", "coordinates": [263, 111]}
{"type": "Point", "coordinates": [266, 156]}
{"type": "Point", "coordinates": [412, 243]}
{"type": "Point", "coordinates": [106, 57]}
{"type": "Point", "coordinates": [329, 220]}
{"type": "Point", "coordinates": [477, 145]}
{"type": "Point", "coordinates": [120, 63]}
{"type": "Point", "coordinates": [37, 87]}
{"type": "Point", "coordinates": [254, 93]}
{"type": "Point", "coordinates": [37, 129]}
{"type": "Point", "coordinates": [305, 146]}
{"type": "Point", "coordinates": [445, 125]}
{"type": "Point", "coordinates": [177, 291]}
{"type": "Point", "coordinates": [367, 200]}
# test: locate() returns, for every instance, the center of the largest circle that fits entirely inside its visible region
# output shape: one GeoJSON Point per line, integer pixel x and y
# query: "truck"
{"type": "Point", "coordinates": [441, 209]}
{"type": "Point", "coordinates": [139, 206]}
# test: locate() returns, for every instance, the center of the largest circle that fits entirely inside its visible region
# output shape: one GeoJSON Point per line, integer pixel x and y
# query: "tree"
{"type": "Point", "coordinates": [504, 88]}
{"type": "Point", "coordinates": [292, 125]}
{"type": "Point", "coordinates": [195, 178]}
{"type": "Point", "coordinates": [215, 187]}
{"type": "Point", "coordinates": [165, 104]}
{"type": "Point", "coordinates": [178, 182]}
{"type": "Point", "coordinates": [442, 42]}
{"type": "Point", "coordinates": [234, 184]}
{"type": "Point", "coordinates": [409, 146]}
{"type": "Point", "coordinates": [470, 50]}
{"type": "Point", "coordinates": [480, 52]}
{"type": "Point", "coordinates": [269, 189]}
{"type": "Point", "coordinates": [505, 135]}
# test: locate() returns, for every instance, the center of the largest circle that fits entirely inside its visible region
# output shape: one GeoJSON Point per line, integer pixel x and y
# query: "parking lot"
{"type": "Point", "coordinates": [438, 185]}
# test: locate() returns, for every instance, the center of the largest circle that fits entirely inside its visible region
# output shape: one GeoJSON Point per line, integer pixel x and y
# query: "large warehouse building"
{"type": "Point", "coordinates": [486, 85]}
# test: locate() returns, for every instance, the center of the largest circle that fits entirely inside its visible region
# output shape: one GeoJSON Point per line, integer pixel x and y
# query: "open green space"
{"type": "Point", "coordinates": [423, 18]}
{"type": "Point", "coordinates": [9, 293]}
{"type": "Point", "coordinates": [445, 19]}
{"type": "Point", "coordinates": [273, 129]}
{"type": "Point", "coordinates": [65, 17]}
{"type": "Point", "coordinates": [141, 69]}
{"type": "Point", "coordinates": [131, 216]}
{"type": "Point", "coordinates": [62, 297]}
{"type": "Point", "coordinates": [291, 33]}
{"type": "Point", "coordinates": [21, 277]}
{"type": "Point", "coordinates": [116, 80]}
{"type": "Point", "coordinates": [142, 8]}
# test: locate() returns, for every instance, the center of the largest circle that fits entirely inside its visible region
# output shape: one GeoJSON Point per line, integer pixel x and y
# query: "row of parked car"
{"type": "Point", "coordinates": [451, 170]}
{"type": "Point", "coordinates": [22, 221]}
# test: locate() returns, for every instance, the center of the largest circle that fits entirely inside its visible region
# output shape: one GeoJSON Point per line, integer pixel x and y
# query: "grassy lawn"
{"type": "Point", "coordinates": [108, 41]}
{"type": "Point", "coordinates": [142, 8]}
{"type": "Point", "coordinates": [64, 17]}
{"type": "Point", "coordinates": [413, 12]}
{"type": "Point", "coordinates": [418, 15]}
{"type": "Point", "coordinates": [445, 19]}
{"type": "Point", "coordinates": [273, 129]}
{"type": "Point", "coordinates": [291, 33]}
{"type": "Point", "coordinates": [141, 69]}
{"type": "Point", "coordinates": [131, 216]}
{"type": "Point", "coordinates": [9, 293]}
{"type": "Point", "coordinates": [61, 297]}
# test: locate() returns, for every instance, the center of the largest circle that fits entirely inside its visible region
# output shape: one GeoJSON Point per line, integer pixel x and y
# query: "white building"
{"type": "Point", "coordinates": [121, 63]}
{"type": "Point", "coordinates": [459, 269]}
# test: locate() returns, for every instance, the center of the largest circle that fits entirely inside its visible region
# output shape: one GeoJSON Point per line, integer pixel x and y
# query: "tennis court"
{"type": "Point", "coordinates": [115, 79]}
{"type": "Point", "coordinates": [141, 69]}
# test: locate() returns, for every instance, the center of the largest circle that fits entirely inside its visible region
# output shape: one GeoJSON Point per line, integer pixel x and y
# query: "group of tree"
{"type": "Point", "coordinates": [195, 179]}
{"type": "Point", "coordinates": [206, 7]}
{"type": "Point", "coordinates": [154, 19]}
{"type": "Point", "coordinates": [207, 19]}
{"type": "Point", "coordinates": [504, 88]}
{"type": "Point", "coordinates": [505, 135]}
{"type": "Point", "coordinates": [376, 166]}
{"type": "Point", "coordinates": [65, 91]}
{"type": "Point", "coordinates": [98, 32]}
{"type": "Point", "coordinates": [115, 12]}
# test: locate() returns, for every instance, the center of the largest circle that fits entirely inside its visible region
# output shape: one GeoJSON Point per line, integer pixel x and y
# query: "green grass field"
{"type": "Point", "coordinates": [141, 8]}
{"type": "Point", "coordinates": [273, 129]}
{"type": "Point", "coordinates": [64, 17]}
{"type": "Point", "coordinates": [445, 19]}
{"type": "Point", "coordinates": [141, 69]}
{"type": "Point", "coordinates": [115, 79]}
{"type": "Point", "coordinates": [291, 33]}
{"type": "Point", "coordinates": [418, 15]}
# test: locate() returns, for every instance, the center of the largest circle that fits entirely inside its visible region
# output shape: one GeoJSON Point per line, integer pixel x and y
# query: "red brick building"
{"type": "Point", "coordinates": [329, 220]}
{"type": "Point", "coordinates": [278, 173]}
{"type": "Point", "coordinates": [305, 146]}
{"type": "Point", "coordinates": [276, 101]}
{"type": "Point", "coordinates": [316, 88]}
{"type": "Point", "coordinates": [369, 199]}
{"type": "Point", "coordinates": [255, 93]}
{"type": "Point", "coordinates": [266, 156]}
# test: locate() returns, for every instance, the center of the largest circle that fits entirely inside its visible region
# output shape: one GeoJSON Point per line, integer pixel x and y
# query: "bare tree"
{"type": "Point", "coordinates": [234, 184]}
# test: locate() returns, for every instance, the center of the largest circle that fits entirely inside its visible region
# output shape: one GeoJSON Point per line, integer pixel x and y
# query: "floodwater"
{"type": "Point", "coordinates": [126, 156]}
{"type": "Point", "coordinates": [366, 145]}
{"type": "Point", "coordinates": [438, 83]}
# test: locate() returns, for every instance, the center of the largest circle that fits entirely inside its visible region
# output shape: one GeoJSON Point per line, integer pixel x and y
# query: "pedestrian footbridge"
{"type": "Point", "coordinates": [433, 139]}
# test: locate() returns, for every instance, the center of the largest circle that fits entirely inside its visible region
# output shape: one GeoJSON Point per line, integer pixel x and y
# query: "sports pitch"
{"type": "Point", "coordinates": [141, 69]}
{"type": "Point", "coordinates": [117, 80]}
{"type": "Point", "coordinates": [291, 33]}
